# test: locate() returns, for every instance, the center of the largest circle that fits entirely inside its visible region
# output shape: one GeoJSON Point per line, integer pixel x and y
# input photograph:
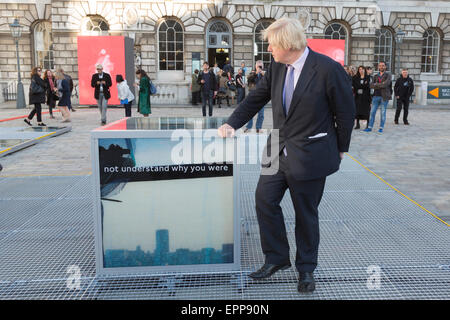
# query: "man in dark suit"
{"type": "Point", "coordinates": [101, 81]}
{"type": "Point", "coordinates": [313, 114]}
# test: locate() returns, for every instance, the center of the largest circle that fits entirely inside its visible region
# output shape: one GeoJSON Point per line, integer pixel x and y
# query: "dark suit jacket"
{"type": "Point", "coordinates": [107, 79]}
{"type": "Point", "coordinates": [404, 87]}
{"type": "Point", "coordinates": [322, 103]}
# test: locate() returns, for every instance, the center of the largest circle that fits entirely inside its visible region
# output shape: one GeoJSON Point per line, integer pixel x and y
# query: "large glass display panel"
{"type": "Point", "coordinates": [155, 213]}
{"type": "Point", "coordinates": [166, 196]}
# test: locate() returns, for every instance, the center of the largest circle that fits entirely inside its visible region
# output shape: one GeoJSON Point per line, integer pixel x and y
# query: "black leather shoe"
{"type": "Point", "coordinates": [406, 122]}
{"type": "Point", "coordinates": [396, 121]}
{"type": "Point", "coordinates": [268, 270]}
{"type": "Point", "coordinates": [306, 282]}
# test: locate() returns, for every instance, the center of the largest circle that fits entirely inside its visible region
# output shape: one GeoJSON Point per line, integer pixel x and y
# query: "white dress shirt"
{"type": "Point", "coordinates": [298, 65]}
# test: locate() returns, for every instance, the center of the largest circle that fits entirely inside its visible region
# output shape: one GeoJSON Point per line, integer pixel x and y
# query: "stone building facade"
{"type": "Point", "coordinates": [172, 37]}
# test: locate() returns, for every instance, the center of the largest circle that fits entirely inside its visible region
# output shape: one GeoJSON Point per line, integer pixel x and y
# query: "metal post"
{"type": "Point", "coordinates": [20, 101]}
{"type": "Point", "coordinates": [397, 63]}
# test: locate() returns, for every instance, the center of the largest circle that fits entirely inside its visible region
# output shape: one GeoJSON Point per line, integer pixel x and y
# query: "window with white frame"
{"type": "Point", "coordinates": [383, 47]}
{"type": "Point", "coordinates": [335, 30]}
{"type": "Point", "coordinates": [260, 46]}
{"type": "Point", "coordinates": [170, 45]}
{"type": "Point", "coordinates": [43, 46]}
{"type": "Point", "coordinates": [430, 51]}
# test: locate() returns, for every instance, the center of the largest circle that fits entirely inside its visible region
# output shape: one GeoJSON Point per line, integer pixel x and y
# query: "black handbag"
{"type": "Point", "coordinates": [35, 88]}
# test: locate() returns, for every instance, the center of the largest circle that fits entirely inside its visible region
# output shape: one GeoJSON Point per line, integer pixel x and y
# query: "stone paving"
{"type": "Point", "coordinates": [414, 159]}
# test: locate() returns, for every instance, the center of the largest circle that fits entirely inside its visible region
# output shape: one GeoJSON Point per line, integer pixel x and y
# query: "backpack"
{"type": "Point", "coordinates": [152, 87]}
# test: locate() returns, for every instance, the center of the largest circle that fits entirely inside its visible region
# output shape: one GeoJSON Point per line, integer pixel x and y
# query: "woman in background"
{"type": "Point", "coordinates": [64, 96]}
{"type": "Point", "coordinates": [36, 96]}
{"type": "Point", "coordinates": [144, 106]}
{"type": "Point", "coordinates": [126, 97]}
{"type": "Point", "coordinates": [361, 87]}
{"type": "Point", "coordinates": [52, 91]}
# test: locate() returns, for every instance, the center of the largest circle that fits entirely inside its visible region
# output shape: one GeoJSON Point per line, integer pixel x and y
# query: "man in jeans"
{"type": "Point", "coordinates": [381, 96]}
{"type": "Point", "coordinates": [101, 81]}
{"type": "Point", "coordinates": [207, 80]}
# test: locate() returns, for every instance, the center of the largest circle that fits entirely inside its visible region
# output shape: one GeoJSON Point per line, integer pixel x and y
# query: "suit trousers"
{"type": "Point", "coordinates": [405, 102]}
{"type": "Point", "coordinates": [306, 197]}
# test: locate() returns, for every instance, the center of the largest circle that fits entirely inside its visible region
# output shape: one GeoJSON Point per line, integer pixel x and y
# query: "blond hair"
{"type": "Point", "coordinates": [59, 75]}
{"type": "Point", "coordinates": [286, 33]}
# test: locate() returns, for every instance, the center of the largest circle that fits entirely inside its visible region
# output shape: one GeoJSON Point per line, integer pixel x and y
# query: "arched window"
{"type": "Point", "coordinates": [218, 35]}
{"type": "Point", "coordinates": [336, 30]}
{"type": "Point", "coordinates": [170, 45]}
{"type": "Point", "coordinates": [430, 51]}
{"type": "Point", "coordinates": [383, 47]}
{"type": "Point", "coordinates": [260, 46]}
{"type": "Point", "coordinates": [95, 25]}
{"type": "Point", "coordinates": [43, 45]}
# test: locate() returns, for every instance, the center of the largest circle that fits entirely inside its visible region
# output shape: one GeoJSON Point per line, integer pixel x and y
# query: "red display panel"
{"type": "Point", "coordinates": [109, 51]}
{"type": "Point", "coordinates": [335, 49]}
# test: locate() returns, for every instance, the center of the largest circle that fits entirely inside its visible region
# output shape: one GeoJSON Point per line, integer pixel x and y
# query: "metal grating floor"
{"type": "Point", "coordinates": [46, 225]}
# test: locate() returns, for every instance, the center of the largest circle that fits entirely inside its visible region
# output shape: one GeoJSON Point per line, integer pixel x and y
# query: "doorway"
{"type": "Point", "coordinates": [218, 56]}
{"type": "Point", "coordinates": [218, 42]}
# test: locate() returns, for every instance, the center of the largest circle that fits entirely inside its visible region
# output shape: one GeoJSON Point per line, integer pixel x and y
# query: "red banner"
{"type": "Point", "coordinates": [109, 51]}
{"type": "Point", "coordinates": [335, 49]}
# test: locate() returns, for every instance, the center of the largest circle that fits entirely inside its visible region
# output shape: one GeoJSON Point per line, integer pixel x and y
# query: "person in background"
{"type": "Point", "coordinates": [361, 86]}
{"type": "Point", "coordinates": [144, 105]}
{"type": "Point", "coordinates": [124, 94]}
{"type": "Point", "coordinates": [70, 81]}
{"type": "Point", "coordinates": [259, 74]}
{"type": "Point", "coordinates": [244, 73]}
{"type": "Point", "coordinates": [231, 87]}
{"type": "Point", "coordinates": [353, 71]}
{"type": "Point", "coordinates": [101, 81]}
{"type": "Point", "coordinates": [381, 96]}
{"type": "Point", "coordinates": [240, 86]}
{"type": "Point", "coordinates": [64, 95]}
{"type": "Point", "coordinates": [208, 83]}
{"type": "Point", "coordinates": [403, 89]}
{"type": "Point", "coordinates": [38, 88]}
{"type": "Point", "coordinates": [52, 91]}
{"type": "Point", "coordinates": [244, 69]}
{"type": "Point", "coordinates": [216, 69]}
{"type": "Point", "coordinates": [223, 91]}
{"type": "Point", "coordinates": [369, 73]}
{"type": "Point", "coordinates": [228, 68]}
{"type": "Point", "coordinates": [195, 88]}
